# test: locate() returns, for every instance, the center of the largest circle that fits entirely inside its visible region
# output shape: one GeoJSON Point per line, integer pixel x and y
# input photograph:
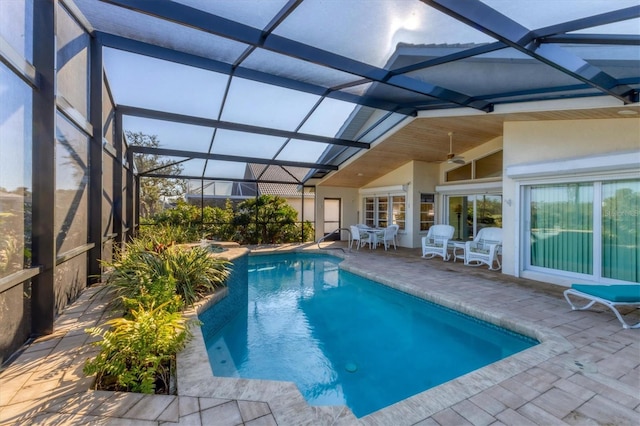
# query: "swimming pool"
{"type": "Point", "coordinates": [346, 340]}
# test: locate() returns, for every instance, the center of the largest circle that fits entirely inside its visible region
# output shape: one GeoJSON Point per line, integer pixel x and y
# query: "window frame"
{"type": "Point", "coordinates": [432, 203]}
{"type": "Point", "coordinates": [524, 259]}
{"type": "Point", "coordinates": [374, 215]}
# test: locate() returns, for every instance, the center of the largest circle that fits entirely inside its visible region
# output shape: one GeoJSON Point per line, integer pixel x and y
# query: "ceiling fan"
{"type": "Point", "coordinates": [451, 157]}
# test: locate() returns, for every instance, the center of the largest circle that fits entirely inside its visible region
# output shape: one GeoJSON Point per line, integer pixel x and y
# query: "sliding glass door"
{"type": "Point", "coordinates": [621, 230]}
{"type": "Point", "coordinates": [470, 213]}
{"type": "Point", "coordinates": [589, 228]}
{"type": "Point", "coordinates": [562, 227]}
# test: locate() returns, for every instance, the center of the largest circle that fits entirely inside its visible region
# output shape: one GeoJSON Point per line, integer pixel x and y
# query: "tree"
{"type": "Point", "coordinates": [267, 219]}
{"type": "Point", "coordinates": [209, 222]}
{"type": "Point", "coordinates": [153, 189]}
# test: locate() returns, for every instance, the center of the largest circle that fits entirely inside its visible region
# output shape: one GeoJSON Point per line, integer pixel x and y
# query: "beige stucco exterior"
{"type": "Point", "coordinates": [348, 203]}
{"type": "Point", "coordinates": [539, 142]}
{"type": "Point", "coordinates": [523, 143]}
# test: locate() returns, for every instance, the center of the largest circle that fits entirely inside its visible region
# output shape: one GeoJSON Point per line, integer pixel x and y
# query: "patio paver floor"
{"type": "Point", "coordinates": [595, 381]}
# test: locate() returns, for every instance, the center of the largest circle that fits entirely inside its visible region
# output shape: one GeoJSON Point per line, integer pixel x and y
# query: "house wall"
{"type": "Point", "coordinates": [524, 142]}
{"type": "Point", "coordinates": [425, 178]}
{"type": "Point", "coordinates": [403, 175]}
{"type": "Point", "coordinates": [530, 142]}
{"type": "Point", "coordinates": [349, 207]}
{"type": "Point", "coordinates": [420, 177]}
{"type": "Point", "coordinates": [309, 207]}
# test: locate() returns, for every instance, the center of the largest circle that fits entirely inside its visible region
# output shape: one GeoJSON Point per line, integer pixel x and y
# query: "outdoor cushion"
{"type": "Point", "coordinates": [618, 293]}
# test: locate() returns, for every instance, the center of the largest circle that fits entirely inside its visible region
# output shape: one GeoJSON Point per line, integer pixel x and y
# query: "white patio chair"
{"type": "Point", "coordinates": [435, 242]}
{"type": "Point", "coordinates": [484, 248]}
{"type": "Point", "coordinates": [396, 228]}
{"type": "Point", "coordinates": [360, 238]}
{"type": "Point", "coordinates": [387, 237]}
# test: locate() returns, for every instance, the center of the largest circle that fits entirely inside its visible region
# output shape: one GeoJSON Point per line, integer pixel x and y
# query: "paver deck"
{"type": "Point", "coordinates": [588, 372]}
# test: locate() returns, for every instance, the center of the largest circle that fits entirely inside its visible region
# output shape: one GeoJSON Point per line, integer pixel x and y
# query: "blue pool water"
{"type": "Point", "coordinates": [344, 339]}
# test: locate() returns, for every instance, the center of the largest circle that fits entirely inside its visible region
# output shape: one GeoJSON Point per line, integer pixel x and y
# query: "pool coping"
{"type": "Point", "coordinates": [288, 406]}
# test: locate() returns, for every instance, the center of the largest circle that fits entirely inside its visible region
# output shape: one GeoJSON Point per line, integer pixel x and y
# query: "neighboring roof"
{"type": "Point", "coordinates": [267, 183]}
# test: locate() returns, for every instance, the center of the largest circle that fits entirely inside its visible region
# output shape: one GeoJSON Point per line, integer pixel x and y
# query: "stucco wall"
{"type": "Point", "coordinates": [425, 178]}
{"type": "Point", "coordinates": [399, 176]}
{"type": "Point", "coordinates": [529, 142]}
{"type": "Point", "coordinates": [309, 209]}
{"type": "Point", "coordinates": [349, 207]}
{"type": "Point", "coordinates": [419, 177]}
{"type": "Point", "coordinates": [524, 142]}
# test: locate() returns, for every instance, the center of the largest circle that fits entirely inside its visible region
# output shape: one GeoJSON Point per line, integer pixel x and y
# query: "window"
{"type": "Point", "coordinates": [460, 173]}
{"type": "Point", "coordinates": [588, 228]}
{"type": "Point", "coordinates": [489, 166]}
{"type": "Point", "coordinates": [621, 230]}
{"type": "Point", "coordinates": [369, 211]}
{"type": "Point", "coordinates": [382, 211]}
{"type": "Point", "coordinates": [562, 227]}
{"type": "Point", "coordinates": [398, 212]}
{"type": "Point", "coordinates": [427, 211]}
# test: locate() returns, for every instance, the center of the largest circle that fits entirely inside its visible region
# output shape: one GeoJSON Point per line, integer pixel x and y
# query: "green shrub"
{"type": "Point", "coordinates": [195, 223]}
{"type": "Point", "coordinates": [153, 292]}
{"type": "Point", "coordinates": [195, 271]}
{"type": "Point", "coordinates": [153, 279]}
{"type": "Point", "coordinates": [267, 219]}
{"type": "Point", "coordinates": [165, 234]}
{"type": "Point", "coordinates": [146, 272]}
{"type": "Point", "coordinates": [136, 353]}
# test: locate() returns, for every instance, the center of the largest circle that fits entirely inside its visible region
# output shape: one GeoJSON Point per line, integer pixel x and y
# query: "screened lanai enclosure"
{"type": "Point", "coordinates": [245, 94]}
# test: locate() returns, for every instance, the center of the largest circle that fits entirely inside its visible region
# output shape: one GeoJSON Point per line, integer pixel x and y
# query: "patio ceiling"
{"type": "Point", "coordinates": [311, 86]}
{"type": "Point", "coordinates": [426, 139]}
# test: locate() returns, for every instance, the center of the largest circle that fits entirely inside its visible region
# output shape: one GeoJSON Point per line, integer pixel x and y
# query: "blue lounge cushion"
{"type": "Point", "coordinates": [617, 293]}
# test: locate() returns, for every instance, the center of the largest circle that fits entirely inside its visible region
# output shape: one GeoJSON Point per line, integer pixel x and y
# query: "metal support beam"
{"type": "Point", "coordinates": [117, 212]}
{"type": "Point", "coordinates": [136, 213]}
{"type": "Point", "coordinates": [95, 163]}
{"type": "Point", "coordinates": [164, 53]}
{"type": "Point", "coordinates": [207, 22]}
{"type": "Point", "coordinates": [608, 39]}
{"type": "Point", "coordinates": [130, 220]}
{"type": "Point", "coordinates": [482, 17]}
{"type": "Point", "coordinates": [463, 54]}
{"type": "Point", "coordinates": [227, 125]}
{"type": "Point", "coordinates": [14, 60]}
{"type": "Point", "coordinates": [44, 132]}
{"type": "Point", "coordinates": [614, 16]}
{"type": "Point", "coordinates": [219, 178]}
{"type": "Point", "coordinates": [221, 157]}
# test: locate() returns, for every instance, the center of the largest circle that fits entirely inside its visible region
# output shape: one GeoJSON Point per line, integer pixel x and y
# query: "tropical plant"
{"type": "Point", "coordinates": [210, 222]}
{"type": "Point", "coordinates": [135, 353]}
{"type": "Point", "coordinates": [152, 292]}
{"type": "Point", "coordinates": [153, 235]}
{"type": "Point", "coordinates": [150, 269]}
{"type": "Point", "coordinates": [267, 219]}
{"type": "Point", "coordinates": [196, 272]}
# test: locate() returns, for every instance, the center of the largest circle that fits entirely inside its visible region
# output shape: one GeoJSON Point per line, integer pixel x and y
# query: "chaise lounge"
{"type": "Point", "coordinates": [608, 295]}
